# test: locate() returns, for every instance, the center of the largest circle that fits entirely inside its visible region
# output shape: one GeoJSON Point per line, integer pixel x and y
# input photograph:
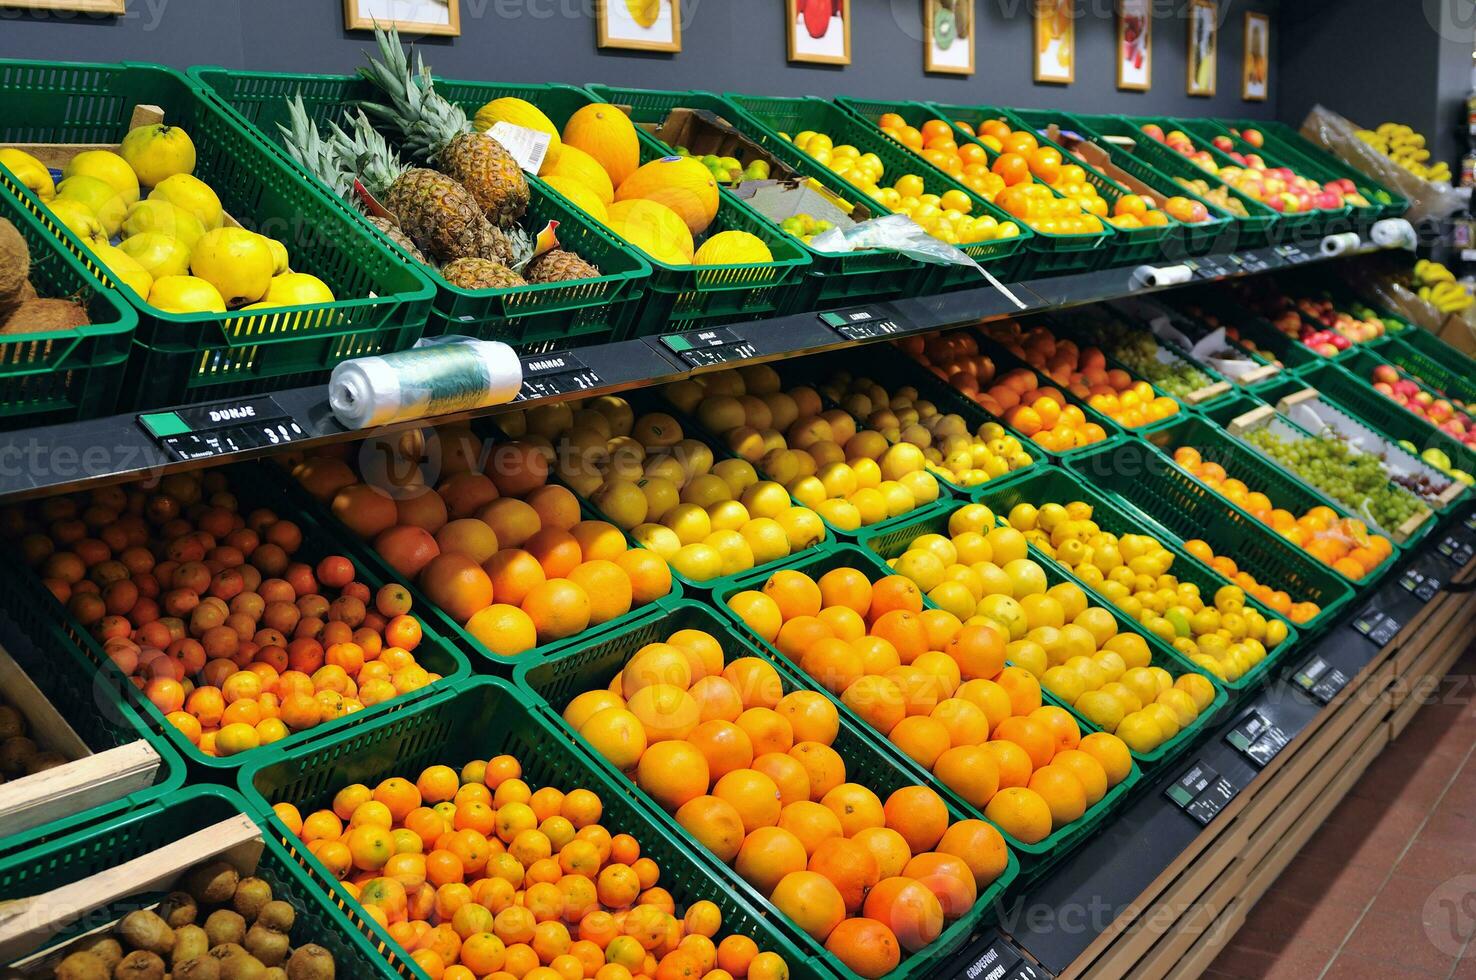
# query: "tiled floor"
{"type": "Point", "coordinates": [1387, 887]}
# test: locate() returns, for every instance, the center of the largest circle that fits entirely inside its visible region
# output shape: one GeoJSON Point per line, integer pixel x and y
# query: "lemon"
{"type": "Point", "coordinates": [1129, 701]}
{"type": "Point", "coordinates": [971, 517]}
{"type": "Point", "coordinates": [802, 526]}
{"type": "Point", "coordinates": [1275, 632]}
{"type": "Point", "coordinates": [1064, 683]}
{"type": "Point", "coordinates": [661, 496]}
{"type": "Point", "coordinates": [840, 514]}
{"type": "Point", "coordinates": [1140, 731]}
{"type": "Point", "coordinates": [1005, 611]}
{"type": "Point", "coordinates": [158, 152]}
{"type": "Point", "coordinates": [765, 499]}
{"type": "Point", "coordinates": [922, 567]}
{"type": "Point", "coordinates": [706, 490]}
{"type": "Point", "coordinates": [953, 597]}
{"type": "Point", "coordinates": [1112, 665]}
{"type": "Point", "coordinates": [194, 195]}
{"type": "Point", "coordinates": [698, 561]}
{"type": "Point", "coordinates": [1026, 577]}
{"type": "Point", "coordinates": [108, 167]}
{"type": "Point", "coordinates": [809, 492]}
{"type": "Point", "coordinates": [99, 197]}
{"type": "Point", "coordinates": [736, 554]}
{"type": "Point", "coordinates": [622, 502]}
{"type": "Point", "coordinates": [1143, 684]}
{"type": "Point", "coordinates": [298, 289]}
{"type": "Point", "coordinates": [767, 539]}
{"type": "Point", "coordinates": [658, 538]}
{"type": "Point", "coordinates": [1100, 708]}
{"type": "Point", "coordinates": [1181, 703]}
{"type": "Point", "coordinates": [1167, 719]}
{"type": "Point", "coordinates": [1027, 654]}
{"type": "Point", "coordinates": [235, 261]}
{"type": "Point", "coordinates": [728, 515]}
{"type": "Point", "coordinates": [690, 522]}
{"type": "Point", "coordinates": [159, 254]}
{"type": "Point", "coordinates": [185, 294]}
{"type": "Point", "coordinates": [1198, 688]}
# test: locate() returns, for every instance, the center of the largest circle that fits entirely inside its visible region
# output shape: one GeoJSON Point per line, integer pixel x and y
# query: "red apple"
{"type": "Point", "coordinates": [1153, 131]}
{"type": "Point", "coordinates": [1253, 137]}
{"type": "Point", "coordinates": [1386, 374]}
{"type": "Point", "coordinates": [1223, 143]}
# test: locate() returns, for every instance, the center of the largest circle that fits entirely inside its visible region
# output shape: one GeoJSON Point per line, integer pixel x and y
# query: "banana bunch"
{"type": "Point", "coordinates": [1438, 287]}
{"type": "Point", "coordinates": [1407, 148]}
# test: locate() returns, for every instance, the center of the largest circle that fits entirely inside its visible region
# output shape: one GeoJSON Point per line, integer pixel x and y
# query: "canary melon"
{"type": "Point", "coordinates": [580, 195]}
{"type": "Point", "coordinates": [607, 134]}
{"type": "Point", "coordinates": [733, 248]}
{"type": "Point", "coordinates": [653, 228]}
{"type": "Point", "coordinates": [575, 164]}
{"type": "Point", "coordinates": [520, 112]}
{"type": "Point", "coordinates": [681, 183]}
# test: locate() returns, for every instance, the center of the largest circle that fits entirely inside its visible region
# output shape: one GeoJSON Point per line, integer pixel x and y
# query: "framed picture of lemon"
{"type": "Point", "coordinates": [441, 17]}
{"type": "Point", "coordinates": [1055, 41]}
{"type": "Point", "coordinates": [645, 25]}
{"type": "Point", "coordinates": [74, 6]}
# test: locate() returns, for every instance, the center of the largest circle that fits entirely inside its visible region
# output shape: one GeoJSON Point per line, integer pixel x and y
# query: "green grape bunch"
{"type": "Point", "coordinates": [1355, 479]}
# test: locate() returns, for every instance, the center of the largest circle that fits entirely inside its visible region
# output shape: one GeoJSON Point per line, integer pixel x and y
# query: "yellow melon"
{"type": "Point", "coordinates": [520, 112]}
{"type": "Point", "coordinates": [653, 228]}
{"type": "Point", "coordinates": [733, 248]}
{"type": "Point", "coordinates": [575, 164]}
{"type": "Point", "coordinates": [580, 195]}
{"type": "Point", "coordinates": [681, 183]}
{"type": "Point", "coordinates": [606, 133]}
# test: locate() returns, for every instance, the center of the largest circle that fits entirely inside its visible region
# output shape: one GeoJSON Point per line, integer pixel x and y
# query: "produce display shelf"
{"type": "Point", "coordinates": [557, 681]}
{"type": "Point", "coordinates": [196, 357]}
{"type": "Point", "coordinates": [1433, 351]}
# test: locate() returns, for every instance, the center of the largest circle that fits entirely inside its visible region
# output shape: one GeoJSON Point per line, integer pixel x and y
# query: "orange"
{"type": "Point", "coordinates": [616, 734]}
{"type": "Point", "coordinates": [979, 651]}
{"type": "Point", "coordinates": [811, 716]}
{"type": "Point", "coordinates": [555, 506]}
{"type": "Point", "coordinates": [810, 822]}
{"type": "Point", "coordinates": [795, 593]}
{"type": "Point", "coordinates": [1021, 813]}
{"type": "Point", "coordinates": [810, 901]}
{"type": "Point", "coordinates": [399, 795]}
{"type": "Point", "coordinates": [753, 794]}
{"type": "Point", "coordinates": [1012, 762]}
{"type": "Point", "coordinates": [878, 701]}
{"type": "Point", "coordinates": [767, 855]}
{"type": "Point", "coordinates": [717, 698]}
{"type": "Point", "coordinates": [920, 738]}
{"type": "Point", "coordinates": [799, 635]}
{"type": "Point", "coordinates": [848, 587]}
{"type": "Point", "coordinates": [757, 682]}
{"type": "Point", "coordinates": [908, 908]}
{"type": "Point", "coordinates": [823, 765]}
{"type": "Point", "coordinates": [759, 612]}
{"type": "Point", "coordinates": [1061, 725]}
{"type": "Point", "coordinates": [919, 815]}
{"type": "Point", "coordinates": [702, 649]}
{"type": "Point", "coordinates": [1035, 738]}
{"type": "Point", "coordinates": [831, 662]}
{"type": "Point", "coordinates": [971, 771]}
{"type": "Point", "coordinates": [558, 608]}
{"type": "Point", "coordinates": [724, 745]}
{"type": "Point", "coordinates": [1087, 770]}
{"type": "Point", "coordinates": [503, 629]}
{"type": "Point", "coordinates": [514, 574]}
{"type": "Point", "coordinates": [767, 729]}
{"type": "Point", "coordinates": [1111, 753]}
{"type": "Point", "coordinates": [867, 948]}
{"type": "Point", "coordinates": [980, 846]}
{"type": "Point", "coordinates": [650, 576]}
{"type": "Point", "coordinates": [903, 629]}
{"type": "Point", "coordinates": [964, 721]}
{"type": "Point", "coordinates": [1022, 688]}
{"type": "Point", "coordinates": [887, 847]}
{"type": "Point", "coordinates": [1062, 792]}
{"type": "Point", "coordinates": [672, 773]}
{"type": "Point", "coordinates": [665, 711]}
{"type": "Point", "coordinates": [848, 865]}
{"type": "Point", "coordinates": [894, 592]}
{"type": "Point", "coordinates": [990, 698]}
{"type": "Point", "coordinates": [655, 663]}
{"type": "Point", "coordinates": [617, 886]}
{"type": "Point", "coordinates": [856, 806]}
{"type": "Point", "coordinates": [947, 877]}
{"type": "Point", "coordinates": [876, 655]}
{"type": "Point", "coordinates": [735, 953]}
{"type": "Point", "coordinates": [608, 587]}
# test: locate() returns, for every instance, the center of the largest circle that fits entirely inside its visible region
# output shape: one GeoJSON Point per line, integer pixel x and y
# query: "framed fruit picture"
{"type": "Point", "coordinates": [820, 31]}
{"type": "Point", "coordinates": [441, 17]}
{"type": "Point", "coordinates": [1055, 41]}
{"type": "Point", "coordinates": [1204, 31]}
{"type": "Point", "coordinates": [644, 25]}
{"type": "Point", "coordinates": [1255, 72]}
{"type": "Point", "coordinates": [1135, 45]}
{"type": "Point", "coordinates": [71, 6]}
{"type": "Point", "coordinates": [948, 43]}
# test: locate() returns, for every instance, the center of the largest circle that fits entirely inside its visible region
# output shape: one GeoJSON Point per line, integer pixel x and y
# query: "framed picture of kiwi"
{"type": "Point", "coordinates": [72, 6]}
{"type": "Point", "coordinates": [442, 17]}
{"type": "Point", "coordinates": [1255, 72]}
{"type": "Point", "coordinates": [643, 25]}
{"type": "Point", "coordinates": [819, 31]}
{"type": "Point", "coordinates": [1055, 41]}
{"type": "Point", "coordinates": [1204, 40]}
{"type": "Point", "coordinates": [948, 48]}
{"type": "Point", "coordinates": [1135, 45]}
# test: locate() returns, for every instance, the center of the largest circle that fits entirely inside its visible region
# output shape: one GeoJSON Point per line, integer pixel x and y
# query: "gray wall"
{"type": "Point", "coordinates": [732, 45]}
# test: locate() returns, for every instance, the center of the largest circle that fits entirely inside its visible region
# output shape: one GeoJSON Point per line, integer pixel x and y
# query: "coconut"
{"type": "Point", "coordinates": [15, 264]}
{"type": "Point", "coordinates": [45, 316]}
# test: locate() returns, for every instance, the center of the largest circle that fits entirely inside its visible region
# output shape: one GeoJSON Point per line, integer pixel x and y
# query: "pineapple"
{"type": "Point", "coordinates": [391, 229]}
{"type": "Point", "coordinates": [557, 265]}
{"type": "Point", "coordinates": [481, 274]}
{"type": "Point", "coordinates": [437, 132]}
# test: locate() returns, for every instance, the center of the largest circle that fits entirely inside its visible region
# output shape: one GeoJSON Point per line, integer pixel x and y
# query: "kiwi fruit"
{"type": "Point", "coordinates": [140, 965]}
{"type": "Point", "coordinates": [15, 755]}
{"type": "Point", "coordinates": [12, 723]}
{"type": "Point", "coordinates": [213, 883]}
{"type": "Point", "coordinates": [227, 950]}
{"type": "Point", "coordinates": [144, 930]}
{"type": "Point", "coordinates": [225, 926]}
{"type": "Point", "coordinates": [190, 942]}
{"type": "Point", "coordinates": [105, 948]}
{"type": "Point", "coordinates": [242, 966]}
{"type": "Point", "coordinates": [277, 915]}
{"type": "Point", "coordinates": [43, 761]}
{"type": "Point", "coordinates": [200, 968]}
{"type": "Point", "coordinates": [310, 962]}
{"type": "Point", "coordinates": [268, 945]}
{"type": "Point", "coordinates": [82, 966]}
{"type": "Point", "coordinates": [45, 316]}
{"type": "Point", "coordinates": [15, 263]}
{"type": "Point", "coordinates": [179, 909]}
{"type": "Point", "coordinates": [276, 973]}
{"type": "Point", "coordinates": [251, 895]}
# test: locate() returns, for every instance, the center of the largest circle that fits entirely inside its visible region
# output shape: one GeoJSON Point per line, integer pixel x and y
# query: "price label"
{"type": "Point", "coordinates": [862, 324]}
{"type": "Point", "coordinates": [1251, 262]}
{"type": "Point", "coordinates": [1458, 551]}
{"type": "Point", "coordinates": [1320, 679]}
{"type": "Point", "coordinates": [222, 428]}
{"type": "Point", "coordinates": [704, 348]}
{"type": "Point", "coordinates": [1211, 268]}
{"type": "Point", "coordinates": [1257, 738]}
{"type": "Point", "coordinates": [996, 960]}
{"type": "Point", "coordinates": [1292, 254]}
{"type": "Point", "coordinates": [1202, 792]}
{"type": "Point", "coordinates": [1378, 626]}
{"type": "Point", "coordinates": [1421, 585]}
{"type": "Point", "coordinates": [1471, 522]}
{"type": "Point", "coordinates": [552, 375]}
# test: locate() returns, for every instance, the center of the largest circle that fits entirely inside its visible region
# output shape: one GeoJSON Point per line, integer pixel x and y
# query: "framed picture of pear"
{"type": "Point", "coordinates": [948, 43]}
{"type": "Point", "coordinates": [441, 17]}
{"type": "Point", "coordinates": [645, 25]}
{"type": "Point", "coordinates": [72, 6]}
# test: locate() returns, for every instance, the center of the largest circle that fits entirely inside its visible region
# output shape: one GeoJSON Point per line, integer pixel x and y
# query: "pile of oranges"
{"type": "Point", "coordinates": [1039, 412]}
{"type": "Point", "coordinates": [939, 690]}
{"type": "Point", "coordinates": [1115, 393]}
{"type": "Point", "coordinates": [750, 773]}
{"type": "Point", "coordinates": [206, 611]}
{"type": "Point", "coordinates": [476, 874]}
{"type": "Point", "coordinates": [982, 575]}
{"type": "Point", "coordinates": [1343, 544]}
{"type": "Point", "coordinates": [493, 544]}
{"type": "Point", "coordinates": [1276, 600]}
{"type": "Point", "coordinates": [1031, 182]}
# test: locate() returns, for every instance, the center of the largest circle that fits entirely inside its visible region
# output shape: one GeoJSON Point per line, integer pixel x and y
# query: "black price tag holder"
{"type": "Point", "coordinates": [222, 428]}
{"type": "Point", "coordinates": [706, 348]}
{"type": "Point", "coordinates": [991, 957]}
{"type": "Point", "coordinates": [1421, 584]}
{"type": "Point", "coordinates": [1321, 679]}
{"type": "Point", "coordinates": [553, 375]}
{"type": "Point", "coordinates": [865, 323]}
{"type": "Point", "coordinates": [1202, 792]}
{"type": "Point", "coordinates": [1257, 738]}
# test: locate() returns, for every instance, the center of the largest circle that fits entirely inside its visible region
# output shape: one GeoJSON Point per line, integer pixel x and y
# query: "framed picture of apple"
{"type": "Point", "coordinates": [1055, 41]}
{"type": "Point", "coordinates": [1204, 30]}
{"type": "Point", "coordinates": [1255, 74]}
{"type": "Point", "coordinates": [948, 43]}
{"type": "Point", "coordinates": [820, 31]}
{"type": "Point", "coordinates": [442, 17]}
{"type": "Point", "coordinates": [644, 25]}
{"type": "Point", "coordinates": [1134, 45]}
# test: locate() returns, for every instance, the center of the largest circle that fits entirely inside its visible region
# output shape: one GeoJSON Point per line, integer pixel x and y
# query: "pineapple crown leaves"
{"type": "Point", "coordinates": [308, 147]}
{"type": "Point", "coordinates": [367, 152]}
{"type": "Point", "coordinates": [426, 121]}
{"type": "Point", "coordinates": [522, 247]}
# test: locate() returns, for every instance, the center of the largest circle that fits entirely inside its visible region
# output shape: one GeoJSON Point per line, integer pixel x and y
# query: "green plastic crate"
{"type": "Point", "coordinates": [1291, 143]}
{"type": "Point", "coordinates": [1150, 484]}
{"type": "Point", "coordinates": [533, 318]}
{"type": "Point", "coordinates": [1254, 470]}
{"type": "Point", "coordinates": [39, 613]}
{"type": "Point", "coordinates": [155, 826]}
{"type": "Point", "coordinates": [1254, 334]}
{"type": "Point", "coordinates": [485, 717]}
{"type": "Point", "coordinates": [1131, 246]}
{"type": "Point", "coordinates": [893, 543]}
{"type": "Point", "coordinates": [1254, 230]}
{"type": "Point", "coordinates": [1217, 234]}
{"type": "Point", "coordinates": [196, 357]}
{"type": "Point", "coordinates": [1434, 352]}
{"type": "Point", "coordinates": [1040, 854]}
{"type": "Point", "coordinates": [68, 375]}
{"type": "Point", "coordinates": [556, 682]}
{"type": "Point", "coordinates": [832, 280]}
{"type": "Point", "coordinates": [1059, 486]}
{"type": "Point", "coordinates": [102, 721]}
{"type": "Point", "coordinates": [763, 118]}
